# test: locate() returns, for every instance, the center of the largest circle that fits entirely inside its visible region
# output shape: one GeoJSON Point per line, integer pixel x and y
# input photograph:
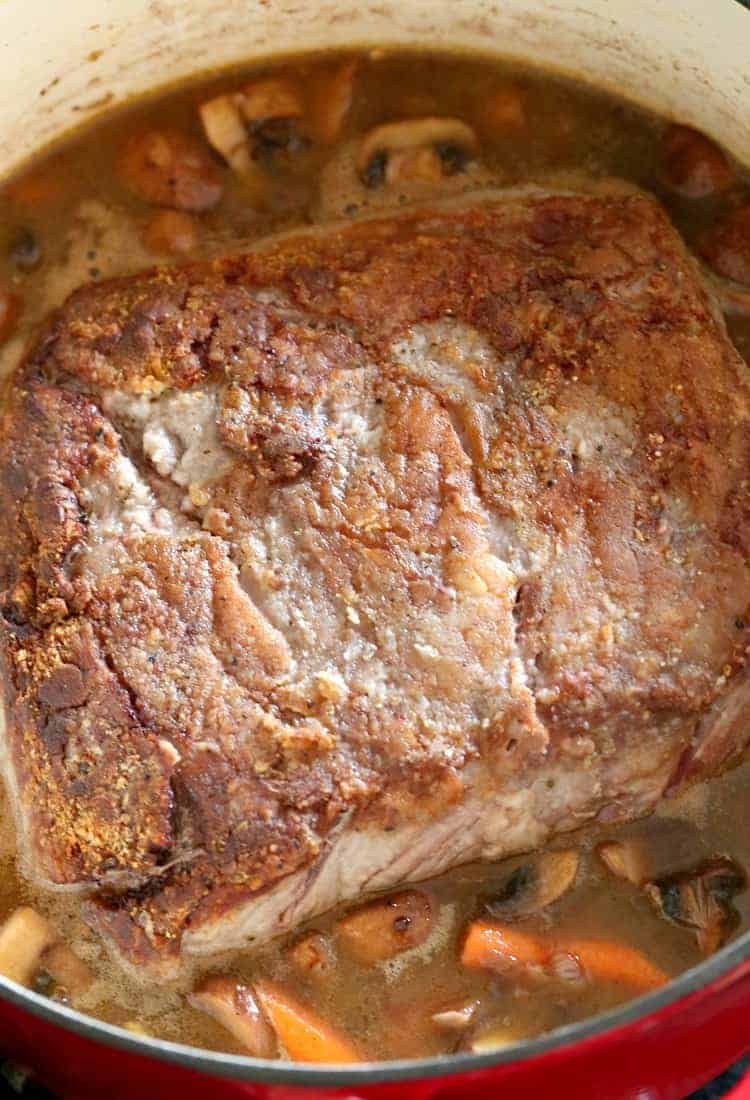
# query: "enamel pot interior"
{"type": "Point", "coordinates": [68, 62]}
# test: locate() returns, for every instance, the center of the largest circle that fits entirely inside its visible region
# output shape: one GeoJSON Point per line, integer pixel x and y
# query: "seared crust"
{"type": "Point", "coordinates": [305, 532]}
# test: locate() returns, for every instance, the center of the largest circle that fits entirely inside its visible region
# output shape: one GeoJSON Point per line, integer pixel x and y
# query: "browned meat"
{"type": "Point", "coordinates": [376, 549]}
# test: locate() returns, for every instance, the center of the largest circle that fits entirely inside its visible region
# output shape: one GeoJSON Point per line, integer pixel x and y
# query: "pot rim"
{"type": "Point", "coordinates": [721, 969]}
{"type": "Point", "coordinates": [703, 978]}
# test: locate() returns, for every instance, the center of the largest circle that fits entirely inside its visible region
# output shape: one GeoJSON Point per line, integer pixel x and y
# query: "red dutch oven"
{"type": "Point", "coordinates": [66, 62]}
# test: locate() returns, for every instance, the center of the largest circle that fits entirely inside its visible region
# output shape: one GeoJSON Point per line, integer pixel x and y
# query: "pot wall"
{"type": "Point", "coordinates": [661, 1057]}
{"type": "Point", "coordinates": [64, 62]}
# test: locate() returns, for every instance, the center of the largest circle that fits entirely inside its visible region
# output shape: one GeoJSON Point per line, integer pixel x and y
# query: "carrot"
{"type": "Point", "coordinates": [606, 960]}
{"type": "Point", "coordinates": [491, 946]}
{"type": "Point", "coordinates": [303, 1034]}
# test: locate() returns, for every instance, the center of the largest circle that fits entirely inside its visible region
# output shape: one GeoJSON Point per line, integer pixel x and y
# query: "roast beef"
{"type": "Point", "coordinates": [378, 548]}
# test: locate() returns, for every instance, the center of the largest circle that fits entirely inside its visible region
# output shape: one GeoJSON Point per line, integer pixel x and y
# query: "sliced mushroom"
{"type": "Point", "coordinates": [169, 168]}
{"type": "Point", "coordinates": [626, 859]}
{"type": "Point", "coordinates": [234, 1006]}
{"type": "Point", "coordinates": [701, 900]}
{"type": "Point", "coordinates": [653, 849]}
{"type": "Point", "coordinates": [421, 148]}
{"type": "Point", "coordinates": [258, 120]}
{"type": "Point", "coordinates": [225, 129]}
{"type": "Point", "coordinates": [312, 956]}
{"type": "Point", "coordinates": [693, 166]}
{"type": "Point", "coordinates": [272, 110]}
{"type": "Point", "coordinates": [274, 98]}
{"type": "Point", "coordinates": [386, 927]}
{"type": "Point", "coordinates": [534, 884]}
{"type": "Point", "coordinates": [24, 937]}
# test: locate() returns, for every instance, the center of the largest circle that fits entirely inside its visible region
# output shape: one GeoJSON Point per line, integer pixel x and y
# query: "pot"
{"type": "Point", "coordinates": [68, 62]}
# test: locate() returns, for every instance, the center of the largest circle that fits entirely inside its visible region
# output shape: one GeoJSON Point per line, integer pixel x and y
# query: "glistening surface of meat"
{"type": "Point", "coordinates": [373, 550]}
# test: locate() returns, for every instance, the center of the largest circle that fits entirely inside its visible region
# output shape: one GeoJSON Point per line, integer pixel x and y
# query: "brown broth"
{"type": "Point", "coordinates": [72, 204]}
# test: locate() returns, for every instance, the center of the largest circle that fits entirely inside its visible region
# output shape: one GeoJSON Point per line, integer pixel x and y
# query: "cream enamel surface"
{"type": "Point", "coordinates": [78, 58]}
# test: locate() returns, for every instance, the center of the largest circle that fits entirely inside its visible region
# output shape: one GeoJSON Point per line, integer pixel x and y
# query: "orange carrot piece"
{"type": "Point", "coordinates": [606, 960]}
{"type": "Point", "coordinates": [305, 1036]}
{"type": "Point", "coordinates": [490, 946]}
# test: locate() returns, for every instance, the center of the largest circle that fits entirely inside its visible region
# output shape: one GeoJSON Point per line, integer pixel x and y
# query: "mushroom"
{"type": "Point", "coordinates": [417, 149]}
{"type": "Point", "coordinates": [701, 900]}
{"type": "Point", "coordinates": [274, 98]}
{"type": "Point", "coordinates": [626, 859]}
{"type": "Point", "coordinates": [693, 166]}
{"type": "Point", "coordinates": [534, 884]}
{"type": "Point", "coordinates": [24, 938]}
{"type": "Point", "coordinates": [651, 850]}
{"type": "Point", "coordinates": [261, 118]}
{"type": "Point", "coordinates": [225, 130]}
{"type": "Point", "coordinates": [312, 956]}
{"type": "Point", "coordinates": [386, 927]}
{"type": "Point", "coordinates": [169, 168]}
{"type": "Point", "coordinates": [234, 1006]}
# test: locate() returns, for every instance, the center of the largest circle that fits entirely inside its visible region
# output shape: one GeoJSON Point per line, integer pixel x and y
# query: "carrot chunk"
{"type": "Point", "coordinates": [606, 960]}
{"type": "Point", "coordinates": [305, 1036]}
{"type": "Point", "coordinates": [491, 946]}
{"type": "Point", "coordinates": [497, 947]}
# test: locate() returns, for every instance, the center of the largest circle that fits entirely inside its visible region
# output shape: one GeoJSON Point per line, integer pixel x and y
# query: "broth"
{"type": "Point", "coordinates": [71, 217]}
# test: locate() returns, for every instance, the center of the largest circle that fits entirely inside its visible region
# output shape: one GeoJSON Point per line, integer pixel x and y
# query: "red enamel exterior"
{"type": "Point", "coordinates": [662, 1055]}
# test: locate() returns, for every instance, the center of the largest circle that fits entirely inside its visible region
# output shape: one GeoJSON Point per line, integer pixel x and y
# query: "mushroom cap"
{"type": "Point", "coordinates": [274, 98]}
{"type": "Point", "coordinates": [535, 884]}
{"type": "Point", "coordinates": [415, 133]}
